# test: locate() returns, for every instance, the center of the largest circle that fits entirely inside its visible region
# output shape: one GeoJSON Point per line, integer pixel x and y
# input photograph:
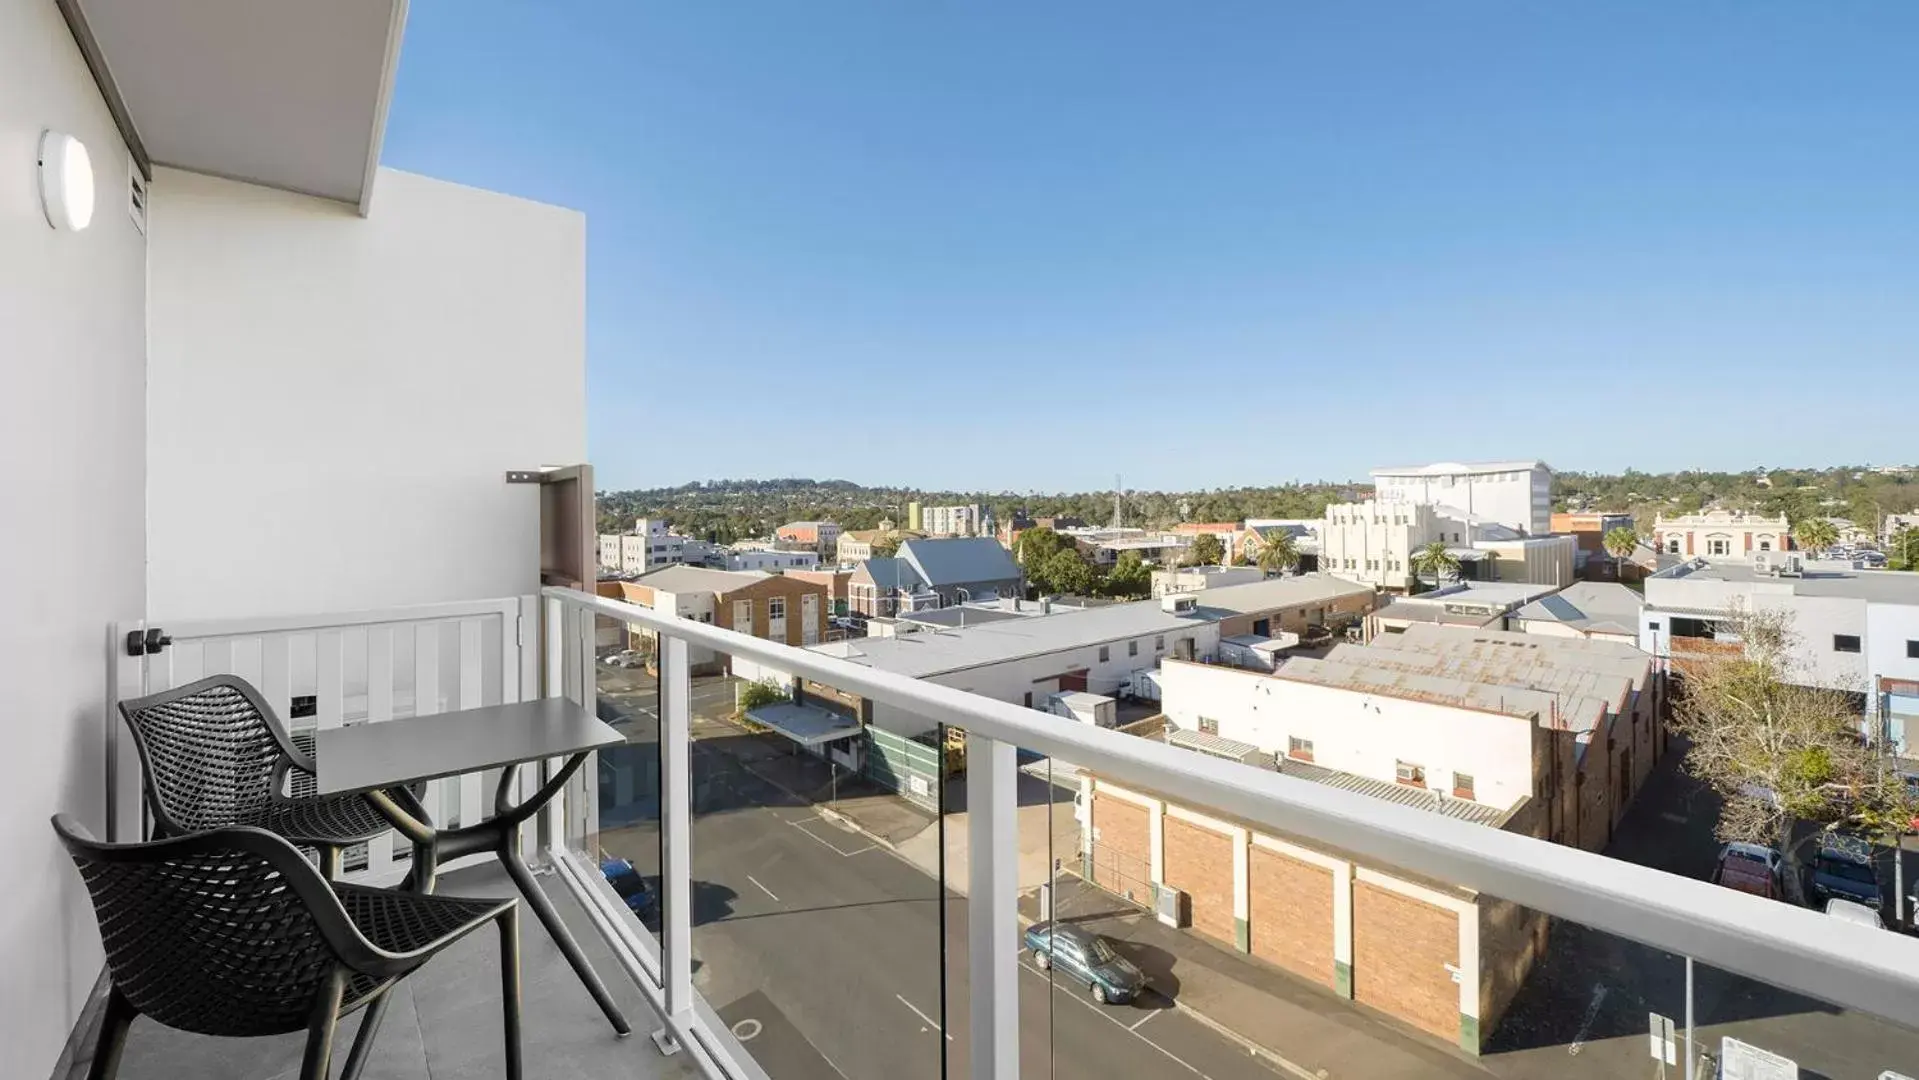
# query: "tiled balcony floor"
{"type": "Point", "coordinates": [444, 1023]}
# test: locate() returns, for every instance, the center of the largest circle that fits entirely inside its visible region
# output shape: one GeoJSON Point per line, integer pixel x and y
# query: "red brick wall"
{"type": "Point", "coordinates": [1122, 853]}
{"type": "Point", "coordinates": [1401, 947]}
{"type": "Point", "coordinates": [1290, 914]}
{"type": "Point", "coordinates": [1199, 863]}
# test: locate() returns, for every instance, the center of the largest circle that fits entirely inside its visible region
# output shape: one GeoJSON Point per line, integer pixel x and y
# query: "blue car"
{"type": "Point", "coordinates": [1084, 956]}
{"type": "Point", "coordinates": [1843, 870]}
{"type": "Point", "coordinates": [632, 888]}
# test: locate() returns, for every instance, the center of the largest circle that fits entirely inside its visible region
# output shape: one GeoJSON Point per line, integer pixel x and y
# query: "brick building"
{"type": "Point", "coordinates": [1443, 959]}
{"type": "Point", "coordinates": [1545, 736]}
{"type": "Point", "coordinates": [772, 606]}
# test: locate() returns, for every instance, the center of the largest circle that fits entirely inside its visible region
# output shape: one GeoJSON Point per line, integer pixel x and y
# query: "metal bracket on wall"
{"type": "Point", "coordinates": [526, 476]}
{"type": "Point", "coordinates": [148, 642]}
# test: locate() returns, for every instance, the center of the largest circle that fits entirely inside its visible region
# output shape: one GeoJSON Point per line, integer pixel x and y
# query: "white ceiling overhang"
{"type": "Point", "coordinates": [289, 94]}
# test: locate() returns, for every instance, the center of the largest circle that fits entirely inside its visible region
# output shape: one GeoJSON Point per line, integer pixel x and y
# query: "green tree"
{"type": "Point", "coordinates": [1903, 552]}
{"type": "Point", "coordinates": [1434, 560]}
{"type": "Point", "coordinates": [1207, 550]}
{"type": "Point", "coordinates": [1035, 546]}
{"type": "Point", "coordinates": [1776, 750]}
{"type": "Point", "coordinates": [1815, 534]}
{"type": "Point", "coordinates": [1279, 553]}
{"type": "Point", "coordinates": [1130, 577]}
{"type": "Point", "coordinates": [886, 546]}
{"type": "Point", "coordinates": [1065, 571]}
{"type": "Point", "coordinates": [1620, 542]}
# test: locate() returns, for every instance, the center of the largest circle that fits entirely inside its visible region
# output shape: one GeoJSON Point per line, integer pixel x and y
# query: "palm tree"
{"type": "Point", "coordinates": [1815, 534]}
{"type": "Point", "coordinates": [1279, 553]}
{"type": "Point", "coordinates": [1434, 559]}
{"type": "Point", "coordinates": [1620, 542]}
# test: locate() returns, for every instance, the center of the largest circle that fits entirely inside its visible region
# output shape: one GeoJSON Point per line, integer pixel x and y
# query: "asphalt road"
{"type": "Point", "coordinates": [822, 950]}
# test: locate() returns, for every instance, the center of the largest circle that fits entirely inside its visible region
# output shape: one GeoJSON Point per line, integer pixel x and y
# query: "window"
{"type": "Point", "coordinates": [1718, 547]}
{"type": "Point", "coordinates": [1132, 648]}
{"type": "Point", "coordinates": [1765, 545]}
{"type": "Point", "coordinates": [1462, 785]}
{"type": "Point", "coordinates": [1672, 546]}
{"type": "Point", "coordinates": [1208, 726]}
{"type": "Point", "coordinates": [1912, 649]}
{"type": "Point", "coordinates": [1845, 643]}
{"type": "Point", "coordinates": [1297, 747]}
{"type": "Point", "coordinates": [776, 608]}
{"type": "Point", "coordinates": [1408, 773]}
{"type": "Point", "coordinates": [1159, 643]}
{"type": "Point", "coordinates": [1105, 654]}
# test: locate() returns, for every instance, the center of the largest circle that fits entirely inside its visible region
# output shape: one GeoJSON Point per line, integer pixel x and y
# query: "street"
{"type": "Point", "coordinates": [822, 949]}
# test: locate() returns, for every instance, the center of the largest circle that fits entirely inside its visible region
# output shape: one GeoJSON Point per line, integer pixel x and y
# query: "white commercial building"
{"type": "Point", "coordinates": [1374, 542]}
{"type": "Point", "coordinates": [1027, 660]}
{"type": "Point", "coordinates": [951, 520]}
{"type": "Point", "coordinates": [1720, 534]}
{"type": "Point", "coordinates": [647, 547]}
{"type": "Point", "coordinates": [1855, 630]}
{"type": "Point", "coordinates": [766, 559]}
{"type": "Point", "coordinates": [1466, 748]}
{"type": "Point", "coordinates": [1517, 494]}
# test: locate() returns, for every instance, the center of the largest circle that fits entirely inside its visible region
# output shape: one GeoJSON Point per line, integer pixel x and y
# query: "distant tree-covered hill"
{"type": "Point", "coordinates": [728, 510]}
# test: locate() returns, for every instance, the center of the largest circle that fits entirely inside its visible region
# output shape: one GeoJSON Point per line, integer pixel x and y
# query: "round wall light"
{"type": "Point", "coordinates": [66, 181]}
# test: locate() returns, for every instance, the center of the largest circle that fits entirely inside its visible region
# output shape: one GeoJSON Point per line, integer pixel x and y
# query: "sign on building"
{"type": "Point", "coordinates": [1744, 1061]}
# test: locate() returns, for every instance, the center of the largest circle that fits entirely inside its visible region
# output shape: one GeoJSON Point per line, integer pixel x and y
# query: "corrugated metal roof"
{"type": "Point", "coordinates": [1404, 794]}
{"type": "Point", "coordinates": [1279, 592]}
{"type": "Point", "coordinates": [680, 579]}
{"type": "Point", "coordinates": [960, 560]}
{"type": "Point", "coordinates": [1230, 749]}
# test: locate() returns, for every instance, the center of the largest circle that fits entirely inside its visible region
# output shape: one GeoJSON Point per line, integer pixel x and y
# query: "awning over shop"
{"type": "Point", "coordinates": [808, 725]}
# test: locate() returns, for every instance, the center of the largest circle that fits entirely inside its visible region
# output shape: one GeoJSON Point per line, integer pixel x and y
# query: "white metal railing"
{"type": "Point", "coordinates": [340, 668]}
{"type": "Point", "coordinates": [1852, 966]}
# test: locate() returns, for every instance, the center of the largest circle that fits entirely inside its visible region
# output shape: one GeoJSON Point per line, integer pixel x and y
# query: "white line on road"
{"type": "Point", "coordinates": [763, 888]}
{"type": "Point", "coordinates": [1134, 1026]}
{"type": "Point", "coordinates": [923, 1016]}
{"type": "Point", "coordinates": [801, 826]}
{"type": "Point", "coordinates": [1099, 1011]}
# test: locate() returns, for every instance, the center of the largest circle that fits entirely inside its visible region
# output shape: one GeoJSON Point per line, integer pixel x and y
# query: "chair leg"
{"type": "Point", "coordinates": [510, 989]}
{"type": "Point", "coordinates": [326, 1016]}
{"type": "Point", "coordinates": [370, 1019]}
{"type": "Point", "coordinates": [330, 862]}
{"type": "Point", "coordinates": [562, 937]}
{"type": "Point", "coordinates": [114, 1021]}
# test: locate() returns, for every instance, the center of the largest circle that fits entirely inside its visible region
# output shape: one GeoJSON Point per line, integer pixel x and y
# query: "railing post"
{"type": "Point", "coordinates": [992, 907]}
{"type": "Point", "coordinates": [676, 824]}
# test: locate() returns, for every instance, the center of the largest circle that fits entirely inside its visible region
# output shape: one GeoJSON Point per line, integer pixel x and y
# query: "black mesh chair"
{"type": "Point", "coordinates": [215, 755]}
{"type": "Point", "coordinates": [233, 933]}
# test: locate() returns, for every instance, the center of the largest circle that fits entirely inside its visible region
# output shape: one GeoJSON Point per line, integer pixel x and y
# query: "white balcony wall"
{"type": "Point", "coordinates": [334, 400]}
{"type": "Point", "coordinates": [72, 552]}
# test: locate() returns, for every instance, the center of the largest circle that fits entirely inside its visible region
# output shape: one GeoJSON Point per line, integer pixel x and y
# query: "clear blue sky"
{"type": "Point", "coordinates": [1018, 246]}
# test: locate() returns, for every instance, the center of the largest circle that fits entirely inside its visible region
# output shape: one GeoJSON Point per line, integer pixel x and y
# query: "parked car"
{"type": "Point", "coordinates": [1847, 911]}
{"type": "Point", "coordinates": [1088, 957]}
{"type": "Point", "coordinates": [1843, 870]}
{"type": "Point", "coordinates": [632, 888]}
{"type": "Point", "coordinates": [1750, 868]}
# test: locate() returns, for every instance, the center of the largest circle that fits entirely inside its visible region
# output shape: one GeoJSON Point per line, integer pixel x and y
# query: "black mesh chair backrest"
{"type": "Point", "coordinates": [210, 749]}
{"type": "Point", "coordinates": [217, 933]}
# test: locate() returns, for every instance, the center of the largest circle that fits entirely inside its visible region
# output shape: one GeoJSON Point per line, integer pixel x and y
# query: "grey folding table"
{"type": "Point", "coordinates": [374, 759]}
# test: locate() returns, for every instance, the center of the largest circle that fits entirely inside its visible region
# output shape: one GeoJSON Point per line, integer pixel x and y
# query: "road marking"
{"type": "Point", "coordinates": [1592, 1013]}
{"type": "Point", "coordinates": [1100, 1012]}
{"type": "Point", "coordinates": [763, 888]}
{"type": "Point", "coordinates": [1676, 819]}
{"type": "Point", "coordinates": [930, 1025]}
{"type": "Point", "coordinates": [1134, 1026]}
{"type": "Point", "coordinates": [801, 826]}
